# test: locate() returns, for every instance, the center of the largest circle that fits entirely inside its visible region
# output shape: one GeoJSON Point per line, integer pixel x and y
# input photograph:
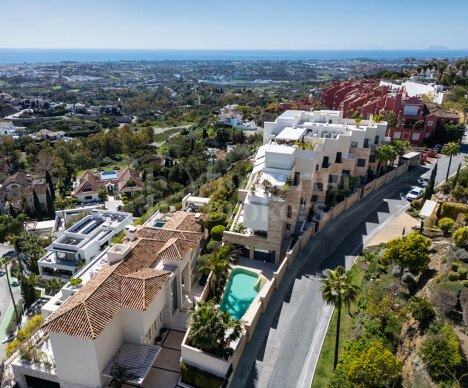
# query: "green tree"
{"type": "Point", "coordinates": [385, 153]}
{"type": "Point", "coordinates": [338, 290]}
{"type": "Point", "coordinates": [218, 265]}
{"type": "Point", "coordinates": [4, 264]}
{"type": "Point", "coordinates": [212, 330]}
{"type": "Point", "coordinates": [391, 119]}
{"type": "Point", "coordinates": [457, 175]}
{"type": "Point", "coordinates": [217, 232]}
{"type": "Point", "coordinates": [431, 184]}
{"type": "Point", "coordinates": [422, 310]}
{"type": "Point", "coordinates": [51, 185]}
{"type": "Point", "coordinates": [102, 194]}
{"type": "Point", "coordinates": [408, 252]}
{"type": "Point", "coordinates": [446, 224]}
{"type": "Point", "coordinates": [450, 149]}
{"type": "Point", "coordinates": [50, 205]}
{"type": "Point", "coordinates": [460, 237]}
{"type": "Point", "coordinates": [400, 147]}
{"type": "Point", "coordinates": [370, 364]}
{"type": "Point", "coordinates": [37, 206]}
{"type": "Point", "coordinates": [440, 352]}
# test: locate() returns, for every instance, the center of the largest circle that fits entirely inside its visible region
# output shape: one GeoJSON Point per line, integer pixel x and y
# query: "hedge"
{"type": "Point", "coordinates": [217, 232]}
{"type": "Point", "coordinates": [452, 210]}
{"type": "Point", "coordinates": [199, 378]}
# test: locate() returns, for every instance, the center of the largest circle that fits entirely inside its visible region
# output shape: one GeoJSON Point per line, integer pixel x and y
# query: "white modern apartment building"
{"type": "Point", "coordinates": [82, 242]}
{"type": "Point", "coordinates": [304, 156]}
{"type": "Point", "coordinates": [116, 315]}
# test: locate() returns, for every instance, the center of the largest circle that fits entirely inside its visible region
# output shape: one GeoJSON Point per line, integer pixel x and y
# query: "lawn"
{"type": "Point", "coordinates": [324, 369]}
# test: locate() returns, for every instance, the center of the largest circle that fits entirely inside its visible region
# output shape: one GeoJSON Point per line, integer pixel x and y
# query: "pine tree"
{"type": "Point", "coordinates": [50, 205]}
{"type": "Point", "coordinates": [51, 185]}
{"type": "Point", "coordinates": [37, 206]}
{"type": "Point", "coordinates": [431, 184]}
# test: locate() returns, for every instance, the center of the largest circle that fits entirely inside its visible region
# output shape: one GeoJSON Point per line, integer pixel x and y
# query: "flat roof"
{"type": "Point", "coordinates": [290, 133]}
{"type": "Point", "coordinates": [428, 208]}
{"type": "Point", "coordinates": [281, 149]}
{"type": "Point", "coordinates": [291, 113]}
{"type": "Point", "coordinates": [411, 155]}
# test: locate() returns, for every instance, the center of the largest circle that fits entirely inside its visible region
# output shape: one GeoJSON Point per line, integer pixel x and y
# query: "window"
{"type": "Point", "coordinates": [316, 167]}
{"type": "Point", "coordinates": [429, 123]}
{"type": "Point", "coordinates": [361, 162]}
{"type": "Point", "coordinates": [288, 226]}
{"type": "Point", "coordinates": [86, 189]}
{"type": "Point", "coordinates": [314, 198]}
{"type": "Point", "coordinates": [346, 172]}
{"type": "Point", "coordinates": [325, 162]}
{"type": "Point", "coordinates": [338, 157]}
{"type": "Point", "coordinates": [354, 144]}
{"type": "Point", "coordinates": [376, 140]}
{"type": "Point", "coordinates": [330, 121]}
{"type": "Point", "coordinates": [366, 143]}
{"type": "Point", "coordinates": [415, 136]}
{"type": "Point", "coordinates": [319, 186]}
{"type": "Point", "coordinates": [332, 178]}
{"type": "Point", "coordinates": [88, 197]}
{"type": "Point", "coordinates": [289, 211]}
{"type": "Point", "coordinates": [297, 178]}
{"type": "Point", "coordinates": [372, 159]}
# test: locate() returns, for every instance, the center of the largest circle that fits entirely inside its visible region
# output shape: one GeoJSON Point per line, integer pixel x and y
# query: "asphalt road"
{"type": "Point", "coordinates": [337, 244]}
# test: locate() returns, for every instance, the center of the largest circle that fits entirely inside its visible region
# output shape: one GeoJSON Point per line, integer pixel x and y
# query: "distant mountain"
{"type": "Point", "coordinates": [438, 47]}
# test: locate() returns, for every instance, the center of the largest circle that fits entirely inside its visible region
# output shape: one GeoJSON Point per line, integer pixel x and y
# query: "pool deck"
{"type": "Point", "coordinates": [266, 268]}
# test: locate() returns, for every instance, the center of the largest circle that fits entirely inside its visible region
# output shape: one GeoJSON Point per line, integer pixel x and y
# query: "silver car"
{"type": "Point", "coordinates": [415, 193]}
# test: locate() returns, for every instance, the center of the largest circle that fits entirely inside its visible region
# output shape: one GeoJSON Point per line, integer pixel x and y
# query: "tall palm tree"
{"type": "Point", "coordinates": [400, 147]}
{"type": "Point", "coordinates": [211, 329]}
{"type": "Point", "coordinates": [384, 154]}
{"type": "Point", "coordinates": [338, 290]}
{"type": "Point", "coordinates": [218, 265]}
{"type": "Point", "coordinates": [4, 264]}
{"type": "Point", "coordinates": [450, 149]}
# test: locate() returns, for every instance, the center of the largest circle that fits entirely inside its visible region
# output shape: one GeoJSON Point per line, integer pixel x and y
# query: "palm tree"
{"type": "Point", "coordinates": [337, 289]}
{"type": "Point", "coordinates": [4, 263]}
{"type": "Point", "coordinates": [450, 149]}
{"type": "Point", "coordinates": [384, 154]}
{"type": "Point", "coordinates": [218, 265]}
{"type": "Point", "coordinates": [212, 330]}
{"type": "Point", "coordinates": [357, 121]}
{"type": "Point", "coordinates": [266, 184]}
{"type": "Point", "coordinates": [53, 285]}
{"type": "Point", "coordinates": [400, 147]}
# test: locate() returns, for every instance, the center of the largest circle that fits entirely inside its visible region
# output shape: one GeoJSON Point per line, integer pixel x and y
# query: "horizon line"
{"type": "Point", "coordinates": [235, 49]}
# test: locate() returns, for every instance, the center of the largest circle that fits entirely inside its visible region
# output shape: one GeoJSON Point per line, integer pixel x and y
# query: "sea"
{"type": "Point", "coordinates": [18, 56]}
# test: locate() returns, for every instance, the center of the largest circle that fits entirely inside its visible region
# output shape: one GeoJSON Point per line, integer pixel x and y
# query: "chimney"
{"type": "Point", "coordinates": [130, 232]}
{"type": "Point", "coordinates": [117, 253]}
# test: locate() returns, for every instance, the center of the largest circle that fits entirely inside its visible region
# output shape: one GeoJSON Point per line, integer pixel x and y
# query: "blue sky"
{"type": "Point", "coordinates": [238, 24]}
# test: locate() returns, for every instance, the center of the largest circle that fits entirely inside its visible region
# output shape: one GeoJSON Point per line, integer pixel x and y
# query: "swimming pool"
{"type": "Point", "coordinates": [159, 224]}
{"type": "Point", "coordinates": [109, 175]}
{"type": "Point", "coordinates": [240, 292]}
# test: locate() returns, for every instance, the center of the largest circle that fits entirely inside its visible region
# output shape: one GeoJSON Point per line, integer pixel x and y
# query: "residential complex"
{"type": "Point", "coordinates": [82, 242]}
{"type": "Point", "coordinates": [232, 117]}
{"type": "Point", "coordinates": [17, 194]}
{"type": "Point", "coordinates": [416, 120]}
{"type": "Point", "coordinates": [127, 295]}
{"type": "Point", "coordinates": [87, 186]}
{"type": "Point", "coordinates": [304, 155]}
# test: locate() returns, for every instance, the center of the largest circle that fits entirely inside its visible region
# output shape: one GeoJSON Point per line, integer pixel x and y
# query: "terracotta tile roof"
{"type": "Point", "coordinates": [181, 220]}
{"type": "Point", "coordinates": [132, 283]}
{"type": "Point", "coordinates": [20, 178]}
{"type": "Point", "coordinates": [88, 181]}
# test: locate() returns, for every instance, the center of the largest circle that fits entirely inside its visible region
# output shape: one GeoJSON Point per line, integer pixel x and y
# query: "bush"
{"type": "Point", "coordinates": [460, 237]}
{"type": "Point", "coordinates": [453, 276]}
{"type": "Point", "coordinates": [422, 310]}
{"type": "Point", "coordinates": [462, 271]}
{"type": "Point", "coordinates": [198, 377]}
{"type": "Point", "coordinates": [446, 225]}
{"type": "Point", "coordinates": [452, 210]}
{"type": "Point", "coordinates": [455, 266]}
{"type": "Point", "coordinates": [440, 352]}
{"type": "Point", "coordinates": [416, 204]}
{"type": "Point", "coordinates": [217, 232]}
{"type": "Point", "coordinates": [213, 246]}
{"type": "Point", "coordinates": [214, 219]}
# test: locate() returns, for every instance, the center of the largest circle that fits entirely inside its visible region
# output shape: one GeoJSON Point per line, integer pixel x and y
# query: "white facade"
{"type": "Point", "coordinates": [82, 242]}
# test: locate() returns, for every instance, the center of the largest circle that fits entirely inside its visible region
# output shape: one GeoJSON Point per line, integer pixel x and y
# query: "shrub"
{"type": "Point", "coordinates": [422, 310]}
{"type": "Point", "coordinates": [24, 333]}
{"type": "Point", "coordinates": [217, 232]}
{"type": "Point", "coordinates": [213, 246]}
{"type": "Point", "coordinates": [198, 377]}
{"type": "Point", "coordinates": [460, 237]}
{"type": "Point", "coordinates": [446, 224]}
{"type": "Point", "coordinates": [440, 352]}
{"type": "Point", "coordinates": [214, 219]}
{"type": "Point", "coordinates": [455, 266]}
{"type": "Point", "coordinates": [453, 276]}
{"type": "Point", "coordinates": [416, 204]}
{"type": "Point", "coordinates": [462, 271]}
{"type": "Point", "coordinates": [452, 210]}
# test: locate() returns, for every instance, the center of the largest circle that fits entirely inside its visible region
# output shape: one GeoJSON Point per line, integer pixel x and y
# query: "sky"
{"type": "Point", "coordinates": [230, 25]}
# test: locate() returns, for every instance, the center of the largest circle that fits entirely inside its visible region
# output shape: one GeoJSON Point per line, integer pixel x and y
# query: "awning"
{"type": "Point", "coordinates": [134, 359]}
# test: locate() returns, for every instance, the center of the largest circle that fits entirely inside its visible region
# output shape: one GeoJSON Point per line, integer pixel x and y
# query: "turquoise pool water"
{"type": "Point", "coordinates": [109, 175]}
{"type": "Point", "coordinates": [159, 224]}
{"type": "Point", "coordinates": [240, 292]}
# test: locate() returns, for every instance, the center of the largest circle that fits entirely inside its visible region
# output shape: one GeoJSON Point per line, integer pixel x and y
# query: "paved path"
{"type": "Point", "coordinates": [288, 337]}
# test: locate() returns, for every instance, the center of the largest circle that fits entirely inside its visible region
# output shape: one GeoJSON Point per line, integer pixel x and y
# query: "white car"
{"type": "Point", "coordinates": [415, 193]}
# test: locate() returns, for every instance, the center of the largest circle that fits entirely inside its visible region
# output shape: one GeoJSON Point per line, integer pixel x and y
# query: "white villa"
{"type": "Point", "coordinates": [117, 313]}
{"type": "Point", "coordinates": [81, 243]}
{"type": "Point", "coordinates": [230, 116]}
{"type": "Point", "coordinates": [304, 155]}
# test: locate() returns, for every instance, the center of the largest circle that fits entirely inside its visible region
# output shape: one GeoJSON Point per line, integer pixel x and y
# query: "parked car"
{"type": "Point", "coordinates": [14, 283]}
{"type": "Point", "coordinates": [415, 193]}
{"type": "Point", "coordinates": [423, 182]}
